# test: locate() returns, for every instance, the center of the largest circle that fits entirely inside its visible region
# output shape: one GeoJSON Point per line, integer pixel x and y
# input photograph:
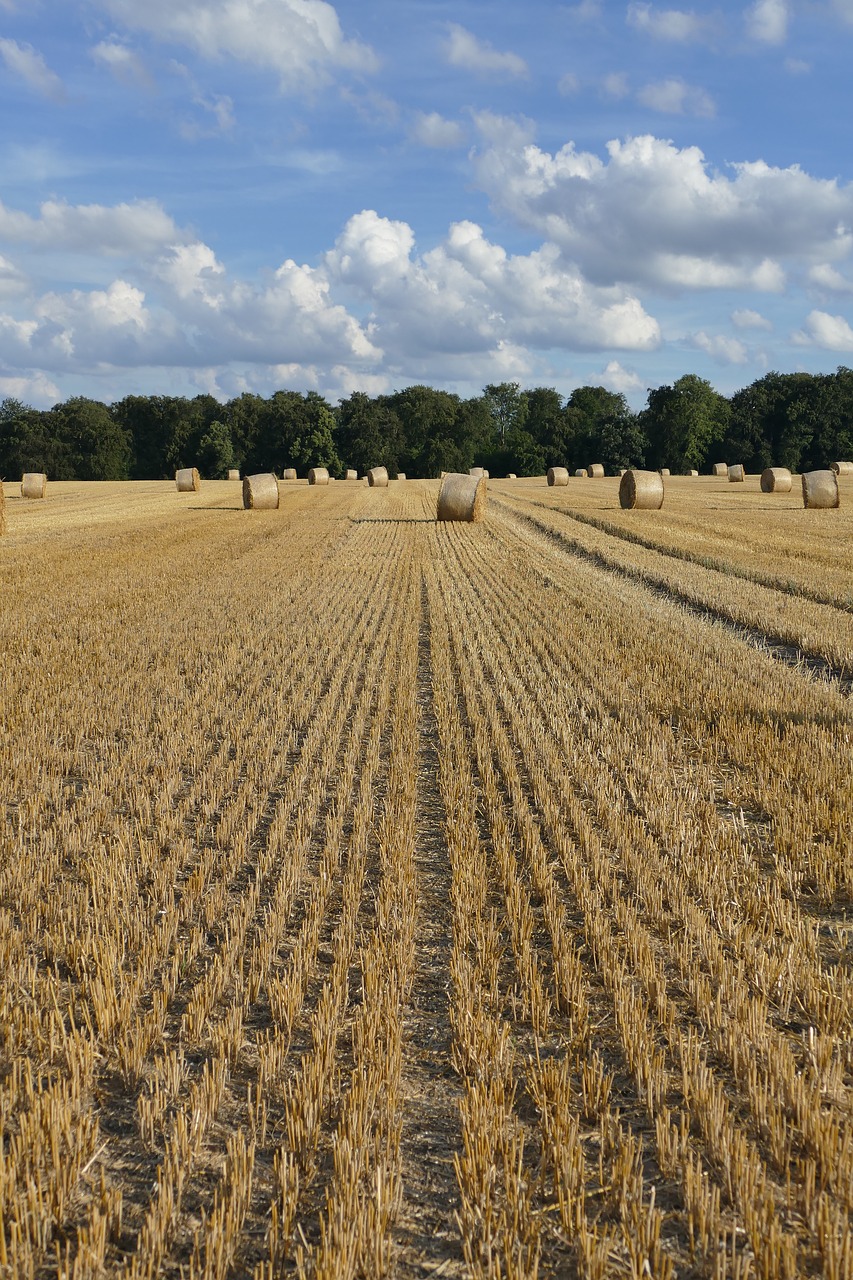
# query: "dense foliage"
{"type": "Point", "coordinates": [798, 420]}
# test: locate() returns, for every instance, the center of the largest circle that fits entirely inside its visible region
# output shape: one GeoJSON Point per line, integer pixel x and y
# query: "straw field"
{"type": "Point", "coordinates": [385, 897]}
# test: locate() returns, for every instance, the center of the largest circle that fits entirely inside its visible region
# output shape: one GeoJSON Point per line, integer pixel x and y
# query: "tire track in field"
{"type": "Point", "coordinates": [783, 650]}
{"type": "Point", "coordinates": [425, 1235]}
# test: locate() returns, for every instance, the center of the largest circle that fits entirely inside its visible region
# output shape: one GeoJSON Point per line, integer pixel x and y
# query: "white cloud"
{"type": "Point", "coordinates": [767, 21]}
{"type": "Point", "coordinates": [676, 98]}
{"type": "Point", "coordinates": [12, 280]}
{"type": "Point", "coordinates": [136, 228]}
{"type": "Point", "coordinates": [657, 215]}
{"type": "Point", "coordinates": [464, 50]}
{"type": "Point", "coordinates": [299, 40]}
{"type": "Point", "coordinates": [469, 295]}
{"type": "Point", "coordinates": [828, 277]}
{"type": "Point", "coordinates": [121, 61]}
{"type": "Point", "coordinates": [568, 85]}
{"type": "Point", "coordinates": [747, 319]}
{"type": "Point", "coordinates": [832, 333]}
{"type": "Point", "coordinates": [617, 378]}
{"type": "Point", "coordinates": [615, 85]}
{"type": "Point", "coordinates": [668, 24]}
{"type": "Point", "coordinates": [432, 130]}
{"type": "Point", "coordinates": [35, 389]}
{"type": "Point", "coordinates": [723, 349]}
{"type": "Point", "coordinates": [218, 106]}
{"type": "Point", "coordinates": [25, 61]}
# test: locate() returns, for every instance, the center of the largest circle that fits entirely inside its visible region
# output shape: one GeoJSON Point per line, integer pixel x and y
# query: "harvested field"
{"type": "Point", "coordinates": [391, 898]}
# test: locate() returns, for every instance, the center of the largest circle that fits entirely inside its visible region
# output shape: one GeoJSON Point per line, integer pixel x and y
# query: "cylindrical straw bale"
{"type": "Point", "coordinates": [2, 510]}
{"type": "Point", "coordinates": [401, 475]}
{"type": "Point", "coordinates": [260, 492]}
{"type": "Point", "coordinates": [377, 477]}
{"type": "Point", "coordinates": [558, 476]}
{"type": "Point", "coordinates": [595, 470]}
{"type": "Point", "coordinates": [289, 473]}
{"type": "Point", "coordinates": [820, 489]}
{"type": "Point", "coordinates": [664, 471]}
{"type": "Point", "coordinates": [641, 490]}
{"type": "Point", "coordinates": [188, 480]}
{"type": "Point", "coordinates": [33, 484]}
{"type": "Point", "coordinates": [351, 474]}
{"type": "Point", "coordinates": [581, 473]}
{"type": "Point", "coordinates": [842, 468]}
{"type": "Point", "coordinates": [776, 480]}
{"type": "Point", "coordinates": [720, 469]}
{"type": "Point", "coordinates": [511, 475]}
{"type": "Point", "coordinates": [474, 471]}
{"type": "Point", "coordinates": [736, 473]}
{"type": "Point", "coordinates": [318, 475]}
{"type": "Point", "coordinates": [693, 472]}
{"type": "Point", "coordinates": [233, 474]}
{"type": "Point", "coordinates": [461, 497]}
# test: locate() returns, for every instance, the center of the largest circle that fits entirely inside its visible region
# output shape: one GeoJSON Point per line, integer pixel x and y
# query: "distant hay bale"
{"type": "Point", "coordinates": [842, 468]}
{"type": "Point", "coordinates": [595, 470]}
{"type": "Point", "coordinates": [820, 489]}
{"type": "Point", "coordinates": [33, 484]}
{"type": "Point", "coordinates": [318, 475]}
{"type": "Point", "coordinates": [401, 475]}
{"type": "Point", "coordinates": [622, 470]}
{"type": "Point", "coordinates": [512, 476]}
{"type": "Point", "coordinates": [693, 472]}
{"type": "Point", "coordinates": [736, 473]}
{"type": "Point", "coordinates": [558, 476]}
{"type": "Point", "coordinates": [233, 474]}
{"type": "Point", "coordinates": [289, 473]}
{"type": "Point", "coordinates": [581, 473]}
{"type": "Point", "coordinates": [188, 480]}
{"type": "Point", "coordinates": [260, 492]}
{"type": "Point", "coordinates": [377, 477]}
{"type": "Point", "coordinates": [2, 510]}
{"type": "Point", "coordinates": [664, 471]}
{"type": "Point", "coordinates": [720, 469]}
{"type": "Point", "coordinates": [776, 480]}
{"type": "Point", "coordinates": [641, 490]}
{"type": "Point", "coordinates": [476, 471]}
{"type": "Point", "coordinates": [462, 498]}
{"type": "Point", "coordinates": [351, 475]}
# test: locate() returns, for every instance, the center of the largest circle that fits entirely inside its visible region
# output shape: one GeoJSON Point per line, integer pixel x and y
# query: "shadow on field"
{"type": "Point", "coordinates": [391, 520]}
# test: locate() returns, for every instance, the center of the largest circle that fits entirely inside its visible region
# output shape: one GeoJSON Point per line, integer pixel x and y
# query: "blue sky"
{"type": "Point", "coordinates": [231, 195]}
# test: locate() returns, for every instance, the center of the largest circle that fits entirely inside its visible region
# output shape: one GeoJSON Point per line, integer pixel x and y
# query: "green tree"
{"type": "Point", "coordinates": [684, 423]}
{"type": "Point", "coordinates": [216, 451]}
{"type": "Point", "coordinates": [508, 408]}
{"type": "Point", "coordinates": [98, 446]}
{"type": "Point", "coordinates": [603, 429]}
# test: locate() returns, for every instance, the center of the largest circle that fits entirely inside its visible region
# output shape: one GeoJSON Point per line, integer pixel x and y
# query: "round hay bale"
{"type": "Point", "coordinates": [720, 469]}
{"type": "Point", "coordinates": [664, 471]}
{"type": "Point", "coordinates": [737, 475]}
{"type": "Point", "coordinates": [512, 476]}
{"type": "Point", "coordinates": [401, 475]}
{"type": "Point", "coordinates": [558, 476]}
{"type": "Point", "coordinates": [33, 484]}
{"type": "Point", "coordinates": [474, 471]}
{"type": "Point", "coordinates": [622, 470]}
{"type": "Point", "coordinates": [595, 470]}
{"type": "Point", "coordinates": [260, 492]}
{"type": "Point", "coordinates": [377, 477]}
{"type": "Point", "coordinates": [351, 475]}
{"type": "Point", "coordinates": [581, 473]}
{"type": "Point", "coordinates": [233, 474]}
{"type": "Point", "coordinates": [842, 468]}
{"type": "Point", "coordinates": [776, 480]}
{"type": "Point", "coordinates": [187, 480]}
{"type": "Point", "coordinates": [462, 498]}
{"type": "Point", "coordinates": [2, 510]}
{"type": "Point", "coordinates": [820, 489]}
{"type": "Point", "coordinates": [318, 475]}
{"type": "Point", "coordinates": [641, 490]}
{"type": "Point", "coordinates": [693, 472]}
{"type": "Point", "coordinates": [289, 473]}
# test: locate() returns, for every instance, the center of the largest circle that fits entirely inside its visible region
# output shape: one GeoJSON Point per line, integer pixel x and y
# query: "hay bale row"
{"type": "Point", "coordinates": [558, 476]}
{"type": "Point", "coordinates": [462, 498]}
{"type": "Point", "coordinates": [260, 492]}
{"type": "Point", "coordinates": [188, 480]}
{"type": "Point", "coordinates": [736, 473]}
{"type": "Point", "coordinates": [776, 480]}
{"type": "Point", "coordinates": [33, 484]}
{"type": "Point", "coordinates": [318, 475]}
{"type": "Point", "coordinates": [377, 477]}
{"type": "Point", "coordinates": [842, 468]}
{"type": "Point", "coordinates": [641, 490]}
{"type": "Point", "coordinates": [820, 489]}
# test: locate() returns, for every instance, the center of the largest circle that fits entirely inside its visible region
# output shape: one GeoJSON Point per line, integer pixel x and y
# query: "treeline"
{"type": "Point", "coordinates": [795, 420]}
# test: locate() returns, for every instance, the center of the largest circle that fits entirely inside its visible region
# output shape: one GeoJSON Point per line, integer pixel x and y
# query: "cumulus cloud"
{"type": "Point", "coordinates": [432, 130]}
{"type": "Point", "coordinates": [676, 98]}
{"type": "Point", "coordinates": [568, 85]}
{"type": "Point", "coordinates": [121, 61]}
{"type": "Point", "coordinates": [832, 333]}
{"type": "Point", "coordinates": [744, 318]}
{"type": "Point", "coordinates": [134, 228]}
{"type": "Point", "coordinates": [31, 388]}
{"type": "Point", "coordinates": [615, 85]}
{"type": "Point", "coordinates": [767, 21]}
{"type": "Point", "coordinates": [27, 63]}
{"type": "Point", "coordinates": [299, 40]}
{"type": "Point", "coordinates": [828, 277]}
{"type": "Point", "coordinates": [464, 50]}
{"type": "Point", "coordinates": [468, 294]}
{"type": "Point", "coordinates": [616, 378]}
{"type": "Point", "coordinates": [669, 24]}
{"type": "Point", "coordinates": [656, 215]}
{"type": "Point", "coordinates": [723, 349]}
